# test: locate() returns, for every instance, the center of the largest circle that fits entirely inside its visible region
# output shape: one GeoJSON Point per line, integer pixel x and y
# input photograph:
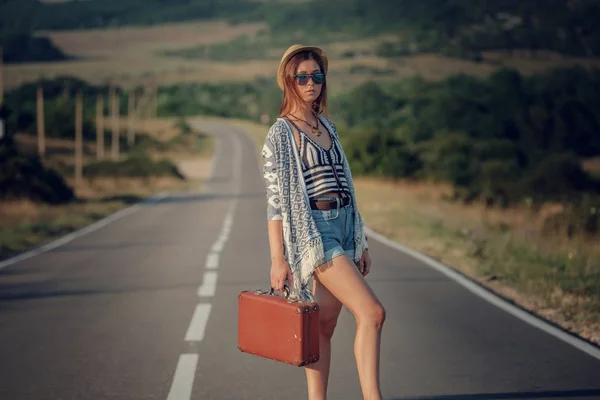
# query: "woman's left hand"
{"type": "Point", "coordinates": [364, 264]}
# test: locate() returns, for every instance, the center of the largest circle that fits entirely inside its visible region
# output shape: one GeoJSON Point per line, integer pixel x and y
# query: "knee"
{"type": "Point", "coordinates": [328, 326]}
{"type": "Point", "coordinates": [374, 315]}
{"type": "Point", "coordinates": [378, 315]}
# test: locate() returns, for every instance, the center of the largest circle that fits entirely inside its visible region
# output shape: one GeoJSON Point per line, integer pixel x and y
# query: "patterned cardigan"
{"type": "Point", "coordinates": [287, 200]}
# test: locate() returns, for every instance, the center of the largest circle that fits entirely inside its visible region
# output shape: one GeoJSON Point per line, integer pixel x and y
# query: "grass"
{"type": "Point", "coordinates": [502, 249]}
{"type": "Point", "coordinates": [25, 224]}
{"type": "Point", "coordinates": [131, 55]}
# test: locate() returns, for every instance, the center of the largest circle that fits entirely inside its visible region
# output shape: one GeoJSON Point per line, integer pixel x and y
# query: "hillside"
{"type": "Point", "coordinates": [25, 48]}
{"type": "Point", "coordinates": [461, 28]}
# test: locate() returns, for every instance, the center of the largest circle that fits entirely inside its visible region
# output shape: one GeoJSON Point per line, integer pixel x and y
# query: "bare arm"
{"type": "Point", "coordinates": [275, 230]}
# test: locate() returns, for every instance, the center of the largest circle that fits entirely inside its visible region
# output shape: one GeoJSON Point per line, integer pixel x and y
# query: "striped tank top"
{"type": "Point", "coordinates": [323, 170]}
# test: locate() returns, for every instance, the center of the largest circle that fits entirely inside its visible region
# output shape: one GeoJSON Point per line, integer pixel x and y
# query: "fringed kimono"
{"type": "Point", "coordinates": [287, 200]}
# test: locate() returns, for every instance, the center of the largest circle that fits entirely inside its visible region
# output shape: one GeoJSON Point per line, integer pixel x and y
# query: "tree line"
{"type": "Point", "coordinates": [459, 28]}
{"type": "Point", "coordinates": [503, 139]}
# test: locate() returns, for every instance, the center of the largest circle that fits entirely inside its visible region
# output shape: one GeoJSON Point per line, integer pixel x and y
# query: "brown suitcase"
{"type": "Point", "coordinates": [275, 327]}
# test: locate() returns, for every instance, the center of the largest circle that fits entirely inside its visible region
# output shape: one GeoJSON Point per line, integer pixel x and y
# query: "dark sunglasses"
{"type": "Point", "coordinates": [317, 78]}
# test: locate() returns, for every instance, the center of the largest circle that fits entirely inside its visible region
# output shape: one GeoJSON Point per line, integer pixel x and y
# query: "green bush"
{"type": "Point", "coordinates": [559, 176]}
{"type": "Point", "coordinates": [245, 100]}
{"type": "Point", "coordinates": [23, 48]}
{"type": "Point", "coordinates": [579, 218]}
{"type": "Point", "coordinates": [25, 177]}
{"type": "Point", "coordinates": [372, 152]}
{"type": "Point", "coordinates": [59, 106]}
{"type": "Point", "coordinates": [184, 127]}
{"type": "Point", "coordinates": [136, 165]}
{"type": "Point", "coordinates": [502, 139]}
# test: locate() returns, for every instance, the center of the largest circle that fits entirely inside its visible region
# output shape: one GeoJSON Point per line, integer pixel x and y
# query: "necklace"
{"type": "Point", "coordinates": [315, 129]}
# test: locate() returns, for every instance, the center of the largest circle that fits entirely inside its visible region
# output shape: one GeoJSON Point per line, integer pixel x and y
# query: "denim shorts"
{"type": "Point", "coordinates": [337, 230]}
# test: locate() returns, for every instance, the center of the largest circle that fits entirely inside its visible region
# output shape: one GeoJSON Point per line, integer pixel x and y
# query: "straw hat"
{"type": "Point", "coordinates": [290, 52]}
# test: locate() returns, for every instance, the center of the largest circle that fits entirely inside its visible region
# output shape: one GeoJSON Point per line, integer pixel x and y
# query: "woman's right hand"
{"type": "Point", "coordinates": [280, 270]}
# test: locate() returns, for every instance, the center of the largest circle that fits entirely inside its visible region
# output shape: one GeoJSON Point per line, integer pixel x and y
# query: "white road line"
{"type": "Point", "coordinates": [195, 332]}
{"type": "Point", "coordinates": [181, 388]}
{"type": "Point", "coordinates": [218, 246]}
{"type": "Point", "coordinates": [492, 298]}
{"type": "Point", "coordinates": [209, 284]}
{"type": "Point", "coordinates": [212, 261]}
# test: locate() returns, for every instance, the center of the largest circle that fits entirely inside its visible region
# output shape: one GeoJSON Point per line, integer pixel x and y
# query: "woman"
{"type": "Point", "coordinates": [314, 226]}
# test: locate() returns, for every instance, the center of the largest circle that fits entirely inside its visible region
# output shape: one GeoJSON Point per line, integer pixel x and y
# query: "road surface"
{"type": "Point", "coordinates": [143, 305]}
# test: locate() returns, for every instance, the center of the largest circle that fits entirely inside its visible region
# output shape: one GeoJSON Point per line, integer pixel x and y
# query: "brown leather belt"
{"type": "Point", "coordinates": [325, 205]}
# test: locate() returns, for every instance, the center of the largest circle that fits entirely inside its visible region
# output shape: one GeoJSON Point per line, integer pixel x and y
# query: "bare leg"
{"type": "Point", "coordinates": [342, 278]}
{"type": "Point", "coordinates": [317, 374]}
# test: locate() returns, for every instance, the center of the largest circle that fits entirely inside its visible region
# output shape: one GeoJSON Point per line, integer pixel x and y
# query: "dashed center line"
{"type": "Point", "coordinates": [181, 388]}
{"type": "Point", "coordinates": [195, 332]}
{"type": "Point", "coordinates": [209, 284]}
{"type": "Point", "coordinates": [212, 261]}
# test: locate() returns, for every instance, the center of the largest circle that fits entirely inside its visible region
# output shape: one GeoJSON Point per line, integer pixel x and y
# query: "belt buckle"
{"type": "Point", "coordinates": [338, 202]}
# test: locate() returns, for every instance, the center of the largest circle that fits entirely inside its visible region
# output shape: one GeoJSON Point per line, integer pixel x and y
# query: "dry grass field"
{"type": "Point", "coordinates": [131, 55]}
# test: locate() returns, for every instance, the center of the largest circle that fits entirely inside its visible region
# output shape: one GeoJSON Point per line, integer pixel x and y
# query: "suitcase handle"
{"type": "Point", "coordinates": [286, 291]}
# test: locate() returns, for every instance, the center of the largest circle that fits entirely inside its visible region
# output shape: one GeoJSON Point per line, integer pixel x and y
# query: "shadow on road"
{"type": "Point", "coordinates": [550, 394]}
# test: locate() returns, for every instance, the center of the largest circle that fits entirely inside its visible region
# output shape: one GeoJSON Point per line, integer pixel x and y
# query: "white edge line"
{"type": "Point", "coordinates": [494, 299]}
{"type": "Point", "coordinates": [183, 381]}
{"type": "Point", "coordinates": [82, 231]}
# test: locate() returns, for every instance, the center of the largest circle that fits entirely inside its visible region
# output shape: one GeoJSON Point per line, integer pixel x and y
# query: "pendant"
{"type": "Point", "coordinates": [316, 132]}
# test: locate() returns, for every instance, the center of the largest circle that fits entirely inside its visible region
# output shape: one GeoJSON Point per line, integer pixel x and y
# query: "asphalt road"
{"type": "Point", "coordinates": [144, 306]}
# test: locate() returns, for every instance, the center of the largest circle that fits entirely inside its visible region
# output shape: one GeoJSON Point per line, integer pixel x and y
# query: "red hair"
{"type": "Point", "coordinates": [291, 95]}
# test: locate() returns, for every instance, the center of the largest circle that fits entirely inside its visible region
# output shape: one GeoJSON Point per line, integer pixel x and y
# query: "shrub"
{"type": "Point", "coordinates": [557, 177]}
{"type": "Point", "coordinates": [581, 218]}
{"type": "Point", "coordinates": [136, 165]}
{"type": "Point", "coordinates": [25, 177]}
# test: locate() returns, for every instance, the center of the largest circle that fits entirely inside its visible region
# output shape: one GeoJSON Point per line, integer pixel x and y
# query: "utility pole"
{"type": "Point", "coordinates": [131, 115]}
{"type": "Point", "coordinates": [78, 139]}
{"type": "Point", "coordinates": [100, 127]}
{"type": "Point", "coordinates": [155, 101]}
{"type": "Point", "coordinates": [115, 127]}
{"type": "Point", "coordinates": [1, 75]}
{"type": "Point", "coordinates": [1, 91]}
{"type": "Point", "coordinates": [40, 122]}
